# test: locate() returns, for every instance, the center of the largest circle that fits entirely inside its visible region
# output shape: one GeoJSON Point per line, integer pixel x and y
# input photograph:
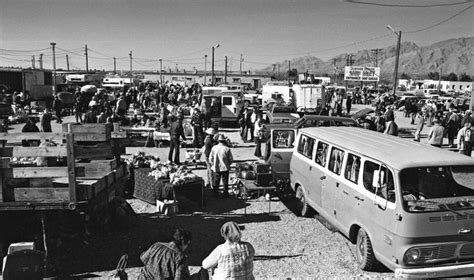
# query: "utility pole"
{"type": "Point", "coordinates": [54, 67]}
{"type": "Point", "coordinates": [161, 71]}
{"type": "Point", "coordinates": [33, 62]}
{"type": "Point", "coordinates": [131, 73]}
{"type": "Point", "coordinates": [375, 53]}
{"type": "Point", "coordinates": [278, 69]}
{"type": "Point", "coordinates": [439, 78]}
{"type": "Point", "coordinates": [67, 62]}
{"type": "Point", "coordinates": [87, 60]}
{"type": "Point", "coordinates": [395, 74]}
{"type": "Point", "coordinates": [205, 69]}
{"type": "Point", "coordinates": [349, 62]}
{"type": "Point", "coordinates": [241, 60]}
{"type": "Point", "coordinates": [335, 70]}
{"type": "Point", "coordinates": [289, 71]}
{"type": "Point", "coordinates": [225, 70]}
{"type": "Point", "coordinates": [115, 65]}
{"type": "Point", "coordinates": [41, 61]}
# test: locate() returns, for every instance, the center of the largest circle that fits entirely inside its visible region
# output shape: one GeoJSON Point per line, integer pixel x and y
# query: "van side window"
{"type": "Point", "coordinates": [373, 174]}
{"type": "Point", "coordinates": [335, 161]}
{"type": "Point", "coordinates": [322, 153]}
{"type": "Point", "coordinates": [306, 145]}
{"type": "Point", "coordinates": [226, 100]}
{"type": "Point", "coordinates": [283, 138]}
{"type": "Point", "coordinates": [352, 168]}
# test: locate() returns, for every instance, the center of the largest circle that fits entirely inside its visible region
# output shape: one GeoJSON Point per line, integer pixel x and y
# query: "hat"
{"type": "Point", "coordinates": [211, 131]}
{"type": "Point", "coordinates": [221, 138]}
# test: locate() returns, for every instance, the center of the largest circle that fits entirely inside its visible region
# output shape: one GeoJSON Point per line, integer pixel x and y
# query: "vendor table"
{"type": "Point", "coordinates": [246, 188]}
{"type": "Point", "coordinates": [148, 189]}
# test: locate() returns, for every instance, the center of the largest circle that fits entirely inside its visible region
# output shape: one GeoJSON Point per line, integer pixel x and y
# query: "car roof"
{"type": "Point", "coordinates": [394, 151]}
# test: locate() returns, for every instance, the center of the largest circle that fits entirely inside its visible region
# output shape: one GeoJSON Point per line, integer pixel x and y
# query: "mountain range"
{"type": "Point", "coordinates": [449, 56]}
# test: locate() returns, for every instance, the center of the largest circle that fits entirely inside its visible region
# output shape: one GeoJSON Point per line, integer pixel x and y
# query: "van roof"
{"type": "Point", "coordinates": [394, 151]}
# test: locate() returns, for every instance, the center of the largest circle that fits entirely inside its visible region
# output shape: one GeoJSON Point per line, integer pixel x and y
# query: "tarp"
{"type": "Point", "coordinates": [89, 89]}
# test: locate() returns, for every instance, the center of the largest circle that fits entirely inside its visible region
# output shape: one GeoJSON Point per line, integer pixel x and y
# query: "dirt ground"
{"type": "Point", "coordinates": [287, 246]}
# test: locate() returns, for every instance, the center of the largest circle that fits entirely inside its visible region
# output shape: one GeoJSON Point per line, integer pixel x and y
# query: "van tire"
{"type": "Point", "coordinates": [364, 253]}
{"type": "Point", "coordinates": [304, 209]}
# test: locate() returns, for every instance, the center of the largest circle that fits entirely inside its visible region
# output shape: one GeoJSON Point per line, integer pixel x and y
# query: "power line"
{"type": "Point", "coordinates": [24, 50]}
{"type": "Point", "coordinates": [441, 22]}
{"type": "Point", "coordinates": [407, 5]}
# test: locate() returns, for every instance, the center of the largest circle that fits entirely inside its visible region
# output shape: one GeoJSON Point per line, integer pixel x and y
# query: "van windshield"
{"type": "Point", "coordinates": [437, 188]}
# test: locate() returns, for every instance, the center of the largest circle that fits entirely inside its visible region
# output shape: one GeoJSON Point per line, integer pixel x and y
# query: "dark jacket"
{"type": "Point", "coordinates": [177, 130]}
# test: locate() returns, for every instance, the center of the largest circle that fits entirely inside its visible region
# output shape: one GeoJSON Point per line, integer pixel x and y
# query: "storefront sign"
{"type": "Point", "coordinates": [362, 73]}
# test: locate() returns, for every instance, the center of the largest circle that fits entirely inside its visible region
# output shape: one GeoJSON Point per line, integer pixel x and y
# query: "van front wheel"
{"type": "Point", "coordinates": [304, 209]}
{"type": "Point", "coordinates": [364, 252]}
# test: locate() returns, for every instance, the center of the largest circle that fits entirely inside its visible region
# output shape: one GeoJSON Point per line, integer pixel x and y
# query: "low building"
{"type": "Point", "coordinates": [188, 78]}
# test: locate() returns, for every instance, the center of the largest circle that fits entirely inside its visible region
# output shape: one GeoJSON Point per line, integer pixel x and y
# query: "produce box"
{"type": "Point", "coordinates": [263, 179]}
{"type": "Point", "coordinates": [147, 188]}
{"type": "Point", "coordinates": [260, 167]}
{"type": "Point", "coordinates": [89, 132]}
{"type": "Point", "coordinates": [97, 168]}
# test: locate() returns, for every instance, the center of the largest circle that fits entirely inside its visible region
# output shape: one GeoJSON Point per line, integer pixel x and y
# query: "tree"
{"type": "Point", "coordinates": [465, 78]}
{"type": "Point", "coordinates": [405, 76]}
{"type": "Point", "coordinates": [293, 72]}
{"type": "Point", "coordinates": [433, 75]}
{"type": "Point", "coordinates": [452, 77]}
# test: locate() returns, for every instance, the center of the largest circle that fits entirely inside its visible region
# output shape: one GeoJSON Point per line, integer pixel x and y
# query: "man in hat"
{"type": "Point", "coordinates": [221, 158]}
{"type": "Point", "coordinates": [465, 139]}
{"type": "Point", "coordinates": [206, 150]}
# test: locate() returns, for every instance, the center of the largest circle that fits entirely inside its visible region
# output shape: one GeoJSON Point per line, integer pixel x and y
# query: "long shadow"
{"type": "Point", "coordinates": [103, 251]}
{"type": "Point", "coordinates": [266, 257]}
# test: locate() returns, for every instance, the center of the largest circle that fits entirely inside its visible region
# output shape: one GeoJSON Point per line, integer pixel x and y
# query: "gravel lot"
{"type": "Point", "coordinates": [287, 246]}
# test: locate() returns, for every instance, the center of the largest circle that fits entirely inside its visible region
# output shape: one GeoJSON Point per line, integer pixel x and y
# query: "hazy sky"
{"type": "Point", "coordinates": [183, 31]}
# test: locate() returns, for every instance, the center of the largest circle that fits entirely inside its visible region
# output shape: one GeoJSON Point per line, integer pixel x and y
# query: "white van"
{"type": "Point", "coordinates": [404, 204]}
{"type": "Point", "coordinates": [224, 106]}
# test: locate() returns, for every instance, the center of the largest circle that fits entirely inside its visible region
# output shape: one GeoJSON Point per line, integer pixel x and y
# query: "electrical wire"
{"type": "Point", "coordinates": [5, 50]}
{"type": "Point", "coordinates": [441, 22]}
{"type": "Point", "coordinates": [408, 5]}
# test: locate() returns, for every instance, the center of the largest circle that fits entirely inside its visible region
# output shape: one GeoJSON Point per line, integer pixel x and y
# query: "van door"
{"type": "Point", "coordinates": [332, 190]}
{"type": "Point", "coordinates": [229, 107]}
{"type": "Point", "coordinates": [281, 148]}
{"type": "Point", "coordinates": [305, 148]}
{"type": "Point", "coordinates": [378, 209]}
{"type": "Point", "coordinates": [349, 192]}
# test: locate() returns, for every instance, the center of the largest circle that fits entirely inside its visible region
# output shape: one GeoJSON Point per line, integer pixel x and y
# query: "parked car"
{"type": "Point", "coordinates": [282, 114]}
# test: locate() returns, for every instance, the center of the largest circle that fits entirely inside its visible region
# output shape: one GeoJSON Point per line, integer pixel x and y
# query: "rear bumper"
{"type": "Point", "coordinates": [441, 271]}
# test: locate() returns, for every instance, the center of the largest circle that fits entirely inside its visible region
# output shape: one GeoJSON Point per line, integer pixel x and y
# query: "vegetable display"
{"type": "Point", "coordinates": [178, 175]}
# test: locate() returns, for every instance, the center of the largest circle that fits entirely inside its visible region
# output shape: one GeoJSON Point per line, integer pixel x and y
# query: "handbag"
{"type": "Point", "coordinates": [120, 271]}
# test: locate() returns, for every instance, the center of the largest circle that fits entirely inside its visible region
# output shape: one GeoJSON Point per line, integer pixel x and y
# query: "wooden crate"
{"type": "Point", "coordinates": [41, 194]}
{"type": "Point", "coordinates": [97, 168]}
{"type": "Point", "coordinates": [90, 132]}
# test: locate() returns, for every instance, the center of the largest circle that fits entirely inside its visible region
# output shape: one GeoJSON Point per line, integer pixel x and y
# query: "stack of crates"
{"type": "Point", "coordinates": [263, 175]}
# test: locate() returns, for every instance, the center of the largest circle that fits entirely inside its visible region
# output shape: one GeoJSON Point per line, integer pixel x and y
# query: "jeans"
{"type": "Point", "coordinates": [174, 145]}
{"type": "Point", "coordinates": [209, 173]}
{"type": "Point", "coordinates": [198, 136]}
{"type": "Point", "coordinates": [258, 147]}
{"type": "Point", "coordinates": [225, 181]}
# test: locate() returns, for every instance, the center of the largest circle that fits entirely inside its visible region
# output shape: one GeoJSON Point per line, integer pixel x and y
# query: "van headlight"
{"type": "Point", "coordinates": [421, 254]}
{"type": "Point", "coordinates": [412, 255]}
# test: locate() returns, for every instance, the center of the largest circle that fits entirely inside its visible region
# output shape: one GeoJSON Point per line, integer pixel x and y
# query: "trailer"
{"type": "Point", "coordinates": [78, 177]}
